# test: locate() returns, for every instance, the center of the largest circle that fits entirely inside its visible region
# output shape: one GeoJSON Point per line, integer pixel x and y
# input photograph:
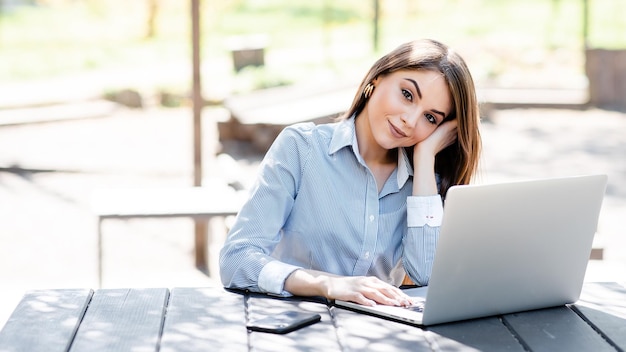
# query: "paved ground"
{"type": "Point", "coordinates": [47, 233]}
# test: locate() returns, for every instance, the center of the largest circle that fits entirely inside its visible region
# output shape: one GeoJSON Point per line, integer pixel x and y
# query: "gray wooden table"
{"type": "Point", "coordinates": [213, 319]}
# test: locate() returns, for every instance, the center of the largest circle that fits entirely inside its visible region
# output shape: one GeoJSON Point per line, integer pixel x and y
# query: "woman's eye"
{"type": "Point", "coordinates": [407, 95]}
{"type": "Point", "coordinates": [431, 118]}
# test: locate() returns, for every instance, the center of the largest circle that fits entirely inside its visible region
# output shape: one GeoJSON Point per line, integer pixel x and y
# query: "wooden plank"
{"type": "Point", "coordinates": [534, 97]}
{"type": "Point", "coordinates": [603, 306]}
{"type": "Point", "coordinates": [362, 332]}
{"type": "Point", "coordinates": [123, 320]}
{"type": "Point", "coordinates": [214, 200]}
{"type": "Point", "coordinates": [488, 334]}
{"type": "Point", "coordinates": [317, 337]}
{"type": "Point", "coordinates": [66, 111]}
{"type": "Point", "coordinates": [555, 329]}
{"type": "Point", "coordinates": [45, 320]}
{"type": "Point", "coordinates": [287, 105]}
{"type": "Point", "coordinates": [205, 319]}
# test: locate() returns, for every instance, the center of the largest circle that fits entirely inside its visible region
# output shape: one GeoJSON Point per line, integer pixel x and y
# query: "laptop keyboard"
{"type": "Point", "coordinates": [416, 307]}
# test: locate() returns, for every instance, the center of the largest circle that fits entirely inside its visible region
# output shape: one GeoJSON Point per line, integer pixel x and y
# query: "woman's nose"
{"type": "Point", "coordinates": [409, 118]}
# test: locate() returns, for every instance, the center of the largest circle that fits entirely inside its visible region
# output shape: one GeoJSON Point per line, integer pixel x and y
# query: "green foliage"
{"type": "Point", "coordinates": [253, 78]}
{"type": "Point", "coordinates": [496, 36]}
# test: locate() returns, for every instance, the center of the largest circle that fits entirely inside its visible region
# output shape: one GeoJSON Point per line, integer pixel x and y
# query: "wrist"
{"type": "Point", "coordinates": [304, 282]}
{"type": "Point", "coordinates": [424, 180]}
{"type": "Point", "coordinates": [423, 165]}
{"type": "Point", "coordinates": [323, 286]}
{"type": "Point", "coordinates": [423, 155]}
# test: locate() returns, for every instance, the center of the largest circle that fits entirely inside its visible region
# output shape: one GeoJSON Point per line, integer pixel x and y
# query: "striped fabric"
{"type": "Point", "coordinates": [315, 205]}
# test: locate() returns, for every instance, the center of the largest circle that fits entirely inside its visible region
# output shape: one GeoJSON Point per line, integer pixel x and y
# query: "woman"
{"type": "Point", "coordinates": [344, 210]}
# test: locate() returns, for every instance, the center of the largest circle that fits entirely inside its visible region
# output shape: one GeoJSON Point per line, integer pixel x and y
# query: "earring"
{"type": "Point", "coordinates": [367, 91]}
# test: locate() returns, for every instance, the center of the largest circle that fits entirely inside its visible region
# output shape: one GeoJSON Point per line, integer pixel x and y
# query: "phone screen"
{"type": "Point", "coordinates": [284, 322]}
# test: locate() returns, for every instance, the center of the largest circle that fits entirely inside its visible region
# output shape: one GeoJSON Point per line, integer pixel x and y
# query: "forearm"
{"type": "Point", "coordinates": [304, 282]}
{"type": "Point", "coordinates": [424, 181]}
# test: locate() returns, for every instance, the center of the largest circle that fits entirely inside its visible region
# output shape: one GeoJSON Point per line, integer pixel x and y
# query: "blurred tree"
{"type": "Point", "coordinates": [585, 31]}
{"type": "Point", "coordinates": [376, 24]}
{"type": "Point", "coordinates": [153, 10]}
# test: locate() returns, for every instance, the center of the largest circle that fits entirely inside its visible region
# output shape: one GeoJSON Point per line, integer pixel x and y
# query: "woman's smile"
{"type": "Point", "coordinates": [395, 131]}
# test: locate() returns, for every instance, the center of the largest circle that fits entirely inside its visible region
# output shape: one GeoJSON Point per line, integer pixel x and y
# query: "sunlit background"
{"type": "Point", "coordinates": [98, 94]}
{"type": "Point", "coordinates": [507, 43]}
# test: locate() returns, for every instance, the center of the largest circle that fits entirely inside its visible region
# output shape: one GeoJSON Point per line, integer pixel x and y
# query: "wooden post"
{"type": "Point", "coordinates": [197, 101]}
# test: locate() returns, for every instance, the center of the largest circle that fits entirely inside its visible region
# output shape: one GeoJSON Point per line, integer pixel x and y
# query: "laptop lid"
{"type": "Point", "coordinates": [511, 247]}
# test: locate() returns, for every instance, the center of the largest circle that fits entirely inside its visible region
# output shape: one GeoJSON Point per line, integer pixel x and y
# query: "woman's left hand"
{"type": "Point", "coordinates": [424, 152]}
{"type": "Point", "coordinates": [443, 136]}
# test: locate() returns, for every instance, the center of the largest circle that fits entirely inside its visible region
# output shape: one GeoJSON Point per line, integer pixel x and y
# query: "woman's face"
{"type": "Point", "coordinates": [407, 106]}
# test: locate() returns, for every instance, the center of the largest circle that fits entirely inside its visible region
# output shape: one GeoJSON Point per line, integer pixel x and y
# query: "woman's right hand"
{"type": "Point", "coordinates": [365, 290]}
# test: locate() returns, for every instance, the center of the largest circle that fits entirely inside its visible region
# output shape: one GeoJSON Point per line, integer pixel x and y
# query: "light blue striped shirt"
{"type": "Point", "coordinates": [316, 205]}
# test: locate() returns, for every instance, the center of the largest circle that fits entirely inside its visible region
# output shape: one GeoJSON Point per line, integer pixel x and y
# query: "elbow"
{"type": "Point", "coordinates": [226, 272]}
{"type": "Point", "coordinates": [421, 281]}
{"type": "Point", "coordinates": [419, 276]}
{"type": "Point", "coordinates": [225, 278]}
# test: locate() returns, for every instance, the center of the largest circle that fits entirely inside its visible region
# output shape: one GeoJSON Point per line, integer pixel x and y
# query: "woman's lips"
{"type": "Point", "coordinates": [396, 132]}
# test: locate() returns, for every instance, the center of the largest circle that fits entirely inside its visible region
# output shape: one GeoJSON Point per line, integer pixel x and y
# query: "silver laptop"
{"type": "Point", "coordinates": [506, 248]}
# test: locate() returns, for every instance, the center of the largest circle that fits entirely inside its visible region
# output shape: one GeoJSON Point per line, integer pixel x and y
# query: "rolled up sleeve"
{"type": "Point", "coordinates": [272, 277]}
{"type": "Point", "coordinates": [424, 216]}
{"type": "Point", "coordinates": [424, 211]}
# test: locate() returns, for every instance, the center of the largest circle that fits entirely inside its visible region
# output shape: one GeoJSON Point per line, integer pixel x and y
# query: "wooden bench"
{"type": "Point", "coordinates": [259, 116]}
{"type": "Point", "coordinates": [200, 203]}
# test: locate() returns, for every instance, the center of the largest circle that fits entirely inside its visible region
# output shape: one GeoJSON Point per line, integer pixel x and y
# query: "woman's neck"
{"type": "Point", "coordinates": [371, 152]}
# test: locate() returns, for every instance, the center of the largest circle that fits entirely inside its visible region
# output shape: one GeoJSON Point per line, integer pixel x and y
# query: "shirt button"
{"type": "Point", "coordinates": [372, 218]}
{"type": "Point", "coordinates": [367, 255]}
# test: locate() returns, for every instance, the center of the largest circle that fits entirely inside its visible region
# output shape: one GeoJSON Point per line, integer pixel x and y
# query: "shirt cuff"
{"type": "Point", "coordinates": [272, 277]}
{"type": "Point", "coordinates": [424, 210]}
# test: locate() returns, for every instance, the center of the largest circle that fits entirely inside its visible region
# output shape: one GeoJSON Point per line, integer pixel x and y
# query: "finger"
{"type": "Point", "coordinates": [361, 299]}
{"type": "Point", "coordinates": [394, 293]}
{"type": "Point", "coordinates": [450, 124]}
{"type": "Point", "coordinates": [374, 291]}
{"type": "Point", "coordinates": [405, 300]}
{"type": "Point", "coordinates": [380, 298]}
{"type": "Point", "coordinates": [398, 296]}
{"type": "Point", "coordinates": [386, 294]}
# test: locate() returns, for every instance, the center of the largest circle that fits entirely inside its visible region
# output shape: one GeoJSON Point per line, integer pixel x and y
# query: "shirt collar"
{"type": "Point", "coordinates": [404, 167]}
{"type": "Point", "coordinates": [345, 135]}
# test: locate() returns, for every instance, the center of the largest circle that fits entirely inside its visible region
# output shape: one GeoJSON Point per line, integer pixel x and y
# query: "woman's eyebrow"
{"type": "Point", "coordinates": [443, 116]}
{"type": "Point", "coordinates": [417, 87]}
{"type": "Point", "coordinates": [419, 93]}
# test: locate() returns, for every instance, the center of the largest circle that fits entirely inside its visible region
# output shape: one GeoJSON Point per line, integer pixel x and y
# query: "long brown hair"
{"type": "Point", "coordinates": [458, 163]}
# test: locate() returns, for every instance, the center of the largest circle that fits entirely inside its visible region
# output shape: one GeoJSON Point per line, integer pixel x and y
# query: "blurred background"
{"type": "Point", "coordinates": [99, 94]}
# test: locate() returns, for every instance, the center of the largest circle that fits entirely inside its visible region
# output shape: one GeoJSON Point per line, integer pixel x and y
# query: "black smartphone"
{"type": "Point", "coordinates": [284, 322]}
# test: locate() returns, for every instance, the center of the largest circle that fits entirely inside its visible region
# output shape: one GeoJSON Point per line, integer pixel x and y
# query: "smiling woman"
{"type": "Point", "coordinates": [448, 86]}
{"type": "Point", "coordinates": [343, 210]}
